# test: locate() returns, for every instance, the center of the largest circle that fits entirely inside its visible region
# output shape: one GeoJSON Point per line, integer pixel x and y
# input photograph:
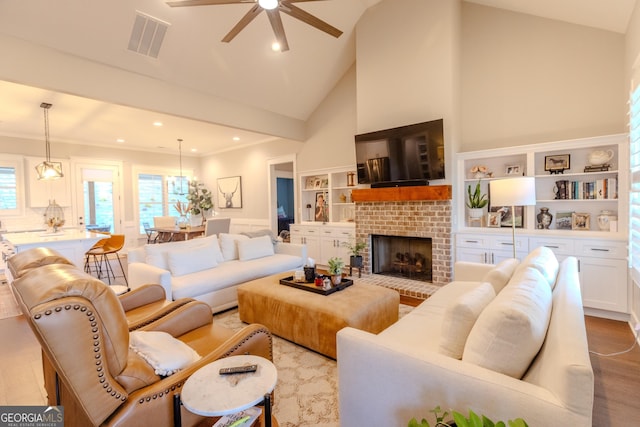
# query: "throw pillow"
{"type": "Point", "coordinates": [191, 260]}
{"type": "Point", "coordinates": [499, 275]}
{"type": "Point", "coordinates": [166, 354]}
{"type": "Point", "coordinates": [257, 247]}
{"type": "Point", "coordinates": [228, 245]}
{"type": "Point", "coordinates": [511, 329]}
{"type": "Point", "coordinates": [544, 260]}
{"type": "Point", "coordinates": [260, 233]}
{"type": "Point", "coordinates": [460, 316]}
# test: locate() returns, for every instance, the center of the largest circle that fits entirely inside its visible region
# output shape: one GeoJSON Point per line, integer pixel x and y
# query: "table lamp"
{"type": "Point", "coordinates": [518, 191]}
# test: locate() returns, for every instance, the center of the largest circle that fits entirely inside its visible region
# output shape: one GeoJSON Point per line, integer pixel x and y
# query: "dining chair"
{"type": "Point", "coordinates": [164, 222]}
{"type": "Point", "coordinates": [216, 226]}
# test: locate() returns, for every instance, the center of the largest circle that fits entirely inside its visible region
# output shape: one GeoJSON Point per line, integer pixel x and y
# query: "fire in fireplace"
{"type": "Point", "coordinates": [400, 256]}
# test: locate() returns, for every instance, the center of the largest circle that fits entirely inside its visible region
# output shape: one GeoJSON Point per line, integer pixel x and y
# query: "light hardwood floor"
{"type": "Point", "coordinates": [617, 379]}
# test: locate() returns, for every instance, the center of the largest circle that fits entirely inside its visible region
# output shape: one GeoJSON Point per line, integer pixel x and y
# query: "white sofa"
{"type": "Point", "coordinates": [209, 269]}
{"type": "Point", "coordinates": [519, 353]}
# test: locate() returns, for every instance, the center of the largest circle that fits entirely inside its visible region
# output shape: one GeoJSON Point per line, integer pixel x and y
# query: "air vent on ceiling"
{"type": "Point", "coordinates": [147, 35]}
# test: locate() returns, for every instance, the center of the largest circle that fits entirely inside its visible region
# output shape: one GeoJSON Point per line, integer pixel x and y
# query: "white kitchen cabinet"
{"type": "Point", "coordinates": [40, 192]}
{"type": "Point", "coordinates": [307, 235]}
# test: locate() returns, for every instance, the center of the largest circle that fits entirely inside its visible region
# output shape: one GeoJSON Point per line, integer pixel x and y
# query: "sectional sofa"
{"type": "Point", "coordinates": [209, 269]}
{"type": "Point", "coordinates": [506, 341]}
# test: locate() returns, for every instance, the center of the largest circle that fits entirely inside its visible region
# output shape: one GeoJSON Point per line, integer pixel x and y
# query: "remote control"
{"type": "Point", "coordinates": [238, 369]}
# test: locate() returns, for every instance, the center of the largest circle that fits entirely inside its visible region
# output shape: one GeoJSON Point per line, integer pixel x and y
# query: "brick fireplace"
{"type": "Point", "coordinates": [408, 211]}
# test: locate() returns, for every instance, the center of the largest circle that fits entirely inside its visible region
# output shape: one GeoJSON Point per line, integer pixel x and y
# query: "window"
{"type": "Point", "coordinates": [157, 196]}
{"type": "Point", "coordinates": [634, 159]}
{"type": "Point", "coordinates": [10, 187]}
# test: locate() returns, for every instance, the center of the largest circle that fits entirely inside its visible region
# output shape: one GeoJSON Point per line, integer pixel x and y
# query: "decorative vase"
{"type": "Point", "coordinates": [604, 220]}
{"type": "Point", "coordinates": [476, 212]}
{"type": "Point", "coordinates": [183, 222]}
{"type": "Point", "coordinates": [544, 218]}
{"type": "Point", "coordinates": [336, 279]}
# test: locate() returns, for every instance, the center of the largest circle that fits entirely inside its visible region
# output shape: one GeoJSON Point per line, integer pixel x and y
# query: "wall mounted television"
{"type": "Point", "coordinates": [405, 155]}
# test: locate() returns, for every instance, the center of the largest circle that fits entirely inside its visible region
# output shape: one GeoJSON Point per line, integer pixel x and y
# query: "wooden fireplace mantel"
{"type": "Point", "coordinates": [395, 194]}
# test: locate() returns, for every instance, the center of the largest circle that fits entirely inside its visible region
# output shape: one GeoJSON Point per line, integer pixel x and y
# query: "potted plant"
{"type": "Point", "coordinates": [199, 199]}
{"type": "Point", "coordinates": [336, 265]}
{"type": "Point", "coordinates": [355, 249]}
{"type": "Point", "coordinates": [476, 201]}
{"type": "Point", "coordinates": [460, 420]}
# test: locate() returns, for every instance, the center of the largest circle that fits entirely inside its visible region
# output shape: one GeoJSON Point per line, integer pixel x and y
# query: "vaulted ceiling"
{"type": "Point", "coordinates": [245, 72]}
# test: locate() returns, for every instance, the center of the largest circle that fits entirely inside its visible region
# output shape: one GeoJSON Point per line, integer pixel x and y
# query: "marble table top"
{"type": "Point", "coordinates": [208, 393]}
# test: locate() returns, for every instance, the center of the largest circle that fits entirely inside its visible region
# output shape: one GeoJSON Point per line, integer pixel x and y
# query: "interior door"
{"type": "Point", "coordinates": [97, 194]}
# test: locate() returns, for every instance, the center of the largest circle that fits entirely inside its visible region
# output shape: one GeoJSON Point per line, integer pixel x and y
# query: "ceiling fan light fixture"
{"type": "Point", "coordinates": [268, 4]}
{"type": "Point", "coordinates": [48, 169]}
{"type": "Point", "coordinates": [275, 46]}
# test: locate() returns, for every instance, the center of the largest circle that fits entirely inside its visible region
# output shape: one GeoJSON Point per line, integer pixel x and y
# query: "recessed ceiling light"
{"type": "Point", "coordinates": [157, 123]}
{"type": "Point", "coordinates": [120, 140]}
{"type": "Point", "coordinates": [275, 47]}
{"type": "Point", "coordinates": [193, 150]}
{"type": "Point", "coordinates": [236, 138]}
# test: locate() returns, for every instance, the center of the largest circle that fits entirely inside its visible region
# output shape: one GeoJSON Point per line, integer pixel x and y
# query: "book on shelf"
{"type": "Point", "coordinates": [599, 189]}
{"type": "Point", "coordinates": [597, 168]}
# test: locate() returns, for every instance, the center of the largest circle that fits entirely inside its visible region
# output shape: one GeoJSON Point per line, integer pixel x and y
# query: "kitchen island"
{"type": "Point", "coordinates": [71, 243]}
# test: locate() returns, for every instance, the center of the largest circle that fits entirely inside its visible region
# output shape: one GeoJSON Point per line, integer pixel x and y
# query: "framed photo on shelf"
{"type": "Point", "coordinates": [564, 220]}
{"type": "Point", "coordinates": [309, 182]}
{"type": "Point", "coordinates": [513, 170]}
{"type": "Point", "coordinates": [494, 219]}
{"type": "Point", "coordinates": [506, 216]}
{"type": "Point", "coordinates": [557, 163]}
{"type": "Point", "coordinates": [322, 210]}
{"type": "Point", "coordinates": [580, 221]}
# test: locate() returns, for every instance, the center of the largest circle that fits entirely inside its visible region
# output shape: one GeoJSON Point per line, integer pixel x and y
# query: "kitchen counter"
{"type": "Point", "coordinates": [71, 243]}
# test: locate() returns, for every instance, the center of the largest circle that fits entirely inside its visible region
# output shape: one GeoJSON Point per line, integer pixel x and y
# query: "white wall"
{"type": "Point", "coordinates": [407, 57]}
{"type": "Point", "coordinates": [527, 79]}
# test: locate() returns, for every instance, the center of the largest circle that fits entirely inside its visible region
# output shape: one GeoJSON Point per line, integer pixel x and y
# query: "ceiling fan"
{"type": "Point", "coordinates": [273, 9]}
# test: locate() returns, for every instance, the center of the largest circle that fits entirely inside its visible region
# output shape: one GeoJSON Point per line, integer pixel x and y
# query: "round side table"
{"type": "Point", "coordinates": [210, 394]}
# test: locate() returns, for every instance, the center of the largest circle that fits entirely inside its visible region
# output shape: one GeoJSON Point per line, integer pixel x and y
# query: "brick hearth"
{"type": "Point", "coordinates": [416, 218]}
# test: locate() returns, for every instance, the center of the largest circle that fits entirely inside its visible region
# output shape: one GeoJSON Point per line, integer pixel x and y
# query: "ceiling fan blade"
{"type": "Point", "coordinates": [205, 2]}
{"type": "Point", "coordinates": [278, 29]}
{"type": "Point", "coordinates": [306, 17]}
{"type": "Point", "coordinates": [246, 19]}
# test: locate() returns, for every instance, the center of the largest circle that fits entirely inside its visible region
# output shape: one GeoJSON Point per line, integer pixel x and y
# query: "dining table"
{"type": "Point", "coordinates": [173, 234]}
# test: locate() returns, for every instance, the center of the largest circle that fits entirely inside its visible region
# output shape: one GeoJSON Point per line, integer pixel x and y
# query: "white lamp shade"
{"type": "Point", "coordinates": [518, 191]}
{"type": "Point", "coordinates": [268, 4]}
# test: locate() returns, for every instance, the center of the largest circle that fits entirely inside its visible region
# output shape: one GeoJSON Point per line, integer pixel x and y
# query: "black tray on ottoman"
{"type": "Point", "coordinates": [311, 287]}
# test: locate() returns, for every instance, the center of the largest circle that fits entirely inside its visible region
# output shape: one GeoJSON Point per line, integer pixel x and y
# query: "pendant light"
{"type": "Point", "coordinates": [180, 154]}
{"type": "Point", "coordinates": [48, 169]}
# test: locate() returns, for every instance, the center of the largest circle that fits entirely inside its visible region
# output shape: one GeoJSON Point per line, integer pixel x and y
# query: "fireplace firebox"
{"type": "Point", "coordinates": [401, 256]}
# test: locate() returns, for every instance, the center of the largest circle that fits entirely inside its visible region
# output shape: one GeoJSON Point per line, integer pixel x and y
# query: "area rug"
{"type": "Point", "coordinates": [307, 389]}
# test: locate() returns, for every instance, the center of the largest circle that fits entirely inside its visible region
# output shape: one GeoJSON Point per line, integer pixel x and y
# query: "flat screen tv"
{"type": "Point", "coordinates": [405, 155]}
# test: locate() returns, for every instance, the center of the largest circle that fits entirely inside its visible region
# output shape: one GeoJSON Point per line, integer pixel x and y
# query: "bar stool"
{"type": "Point", "coordinates": [113, 245]}
{"type": "Point", "coordinates": [94, 256]}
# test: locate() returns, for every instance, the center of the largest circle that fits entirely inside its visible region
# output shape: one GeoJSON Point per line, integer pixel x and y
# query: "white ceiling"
{"type": "Point", "coordinates": [245, 71]}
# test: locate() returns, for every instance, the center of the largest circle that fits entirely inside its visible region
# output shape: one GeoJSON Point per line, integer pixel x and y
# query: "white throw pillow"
{"type": "Point", "coordinates": [459, 318]}
{"type": "Point", "coordinates": [191, 260]}
{"type": "Point", "coordinates": [257, 247]}
{"type": "Point", "coordinates": [544, 260]}
{"type": "Point", "coordinates": [511, 329]}
{"type": "Point", "coordinates": [166, 354]}
{"type": "Point", "coordinates": [156, 254]}
{"type": "Point", "coordinates": [229, 246]}
{"type": "Point", "coordinates": [499, 275]}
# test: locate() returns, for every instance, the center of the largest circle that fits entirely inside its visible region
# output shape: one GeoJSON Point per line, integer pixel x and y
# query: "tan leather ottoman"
{"type": "Point", "coordinates": [312, 320]}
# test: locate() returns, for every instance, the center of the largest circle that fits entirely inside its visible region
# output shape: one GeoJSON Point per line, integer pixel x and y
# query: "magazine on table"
{"type": "Point", "coordinates": [240, 419]}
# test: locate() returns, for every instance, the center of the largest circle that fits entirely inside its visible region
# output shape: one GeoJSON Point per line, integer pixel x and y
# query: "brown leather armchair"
{"type": "Point", "coordinates": [84, 333]}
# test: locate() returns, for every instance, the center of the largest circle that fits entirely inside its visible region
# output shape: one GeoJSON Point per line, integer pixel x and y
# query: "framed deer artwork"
{"type": "Point", "coordinates": [230, 192]}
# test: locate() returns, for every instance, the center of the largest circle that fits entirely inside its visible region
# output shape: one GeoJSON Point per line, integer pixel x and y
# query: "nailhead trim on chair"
{"type": "Point", "coordinates": [247, 338]}
{"type": "Point", "coordinates": [96, 346]}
